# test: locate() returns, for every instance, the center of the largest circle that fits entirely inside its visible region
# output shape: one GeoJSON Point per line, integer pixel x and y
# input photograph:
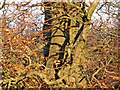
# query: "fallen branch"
{"type": "Point", "coordinates": [43, 77]}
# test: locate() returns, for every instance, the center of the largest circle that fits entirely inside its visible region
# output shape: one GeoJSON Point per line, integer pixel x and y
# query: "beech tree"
{"type": "Point", "coordinates": [67, 25]}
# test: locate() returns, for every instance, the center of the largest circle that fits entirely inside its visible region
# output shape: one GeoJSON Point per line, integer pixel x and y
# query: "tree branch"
{"type": "Point", "coordinates": [3, 4]}
{"type": "Point", "coordinates": [92, 8]}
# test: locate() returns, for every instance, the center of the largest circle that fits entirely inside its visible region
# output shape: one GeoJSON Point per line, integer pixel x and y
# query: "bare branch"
{"type": "Point", "coordinates": [3, 4]}
{"type": "Point", "coordinates": [92, 8]}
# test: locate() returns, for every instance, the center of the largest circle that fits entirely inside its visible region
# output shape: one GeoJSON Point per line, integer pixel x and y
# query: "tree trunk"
{"type": "Point", "coordinates": [69, 25]}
